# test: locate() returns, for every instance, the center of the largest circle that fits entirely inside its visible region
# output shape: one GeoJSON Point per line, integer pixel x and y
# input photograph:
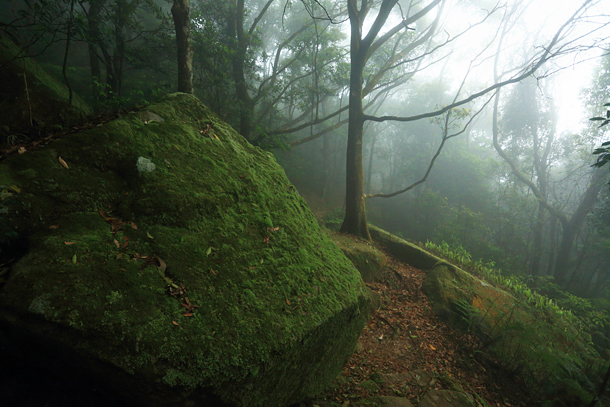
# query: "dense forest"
{"type": "Point", "coordinates": [451, 125]}
{"type": "Point", "coordinates": [474, 128]}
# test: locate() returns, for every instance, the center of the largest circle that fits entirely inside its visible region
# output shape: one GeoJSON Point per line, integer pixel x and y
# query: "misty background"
{"type": "Point", "coordinates": [504, 176]}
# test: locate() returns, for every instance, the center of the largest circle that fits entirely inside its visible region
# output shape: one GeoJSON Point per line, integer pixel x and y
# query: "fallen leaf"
{"type": "Point", "coordinates": [116, 225]}
{"type": "Point", "coordinates": [287, 301]}
{"type": "Point", "coordinates": [149, 236]}
{"type": "Point", "coordinates": [207, 252]}
{"type": "Point", "coordinates": [15, 188]}
{"type": "Point", "coordinates": [432, 347]}
{"type": "Point", "coordinates": [74, 259]}
{"type": "Point", "coordinates": [116, 243]}
{"type": "Point", "coordinates": [162, 266]}
{"type": "Point", "coordinates": [133, 225]}
{"type": "Point", "coordinates": [54, 227]}
{"type": "Point", "coordinates": [213, 272]}
{"type": "Point", "coordinates": [188, 314]}
{"type": "Point", "coordinates": [69, 243]}
{"type": "Point", "coordinates": [104, 215]}
{"type": "Point", "coordinates": [63, 163]}
{"type": "Point", "coordinates": [21, 150]}
{"type": "Point", "coordinates": [175, 323]}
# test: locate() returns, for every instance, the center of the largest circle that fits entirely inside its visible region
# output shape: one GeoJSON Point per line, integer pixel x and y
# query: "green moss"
{"type": "Point", "coordinates": [403, 250]}
{"type": "Point", "coordinates": [271, 295]}
{"type": "Point", "coordinates": [369, 261]}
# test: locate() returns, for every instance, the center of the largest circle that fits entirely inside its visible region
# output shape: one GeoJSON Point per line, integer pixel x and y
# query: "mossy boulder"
{"type": "Point", "coordinates": [446, 398]}
{"type": "Point", "coordinates": [461, 298]}
{"type": "Point", "coordinates": [384, 401]}
{"type": "Point", "coordinates": [403, 250]}
{"type": "Point", "coordinates": [177, 262]}
{"type": "Point", "coordinates": [369, 261]}
{"type": "Point", "coordinates": [533, 340]}
{"type": "Point", "coordinates": [31, 100]}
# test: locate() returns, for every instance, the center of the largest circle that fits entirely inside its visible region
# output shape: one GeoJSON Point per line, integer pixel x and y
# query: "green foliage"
{"type": "Point", "coordinates": [603, 152]}
{"type": "Point", "coordinates": [334, 219]}
{"type": "Point", "coordinates": [515, 284]}
{"type": "Point", "coordinates": [535, 337]}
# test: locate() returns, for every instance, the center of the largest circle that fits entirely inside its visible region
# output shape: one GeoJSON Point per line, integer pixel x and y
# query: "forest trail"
{"type": "Point", "coordinates": [403, 335]}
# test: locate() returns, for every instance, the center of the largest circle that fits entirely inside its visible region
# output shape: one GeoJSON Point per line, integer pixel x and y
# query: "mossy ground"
{"type": "Point", "coordinates": [31, 100]}
{"type": "Point", "coordinates": [263, 282]}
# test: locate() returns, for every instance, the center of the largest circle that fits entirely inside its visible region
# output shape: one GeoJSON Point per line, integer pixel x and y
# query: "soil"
{"type": "Point", "coordinates": [404, 335]}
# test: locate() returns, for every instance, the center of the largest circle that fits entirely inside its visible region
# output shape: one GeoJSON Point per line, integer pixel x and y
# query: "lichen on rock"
{"type": "Point", "coordinates": [205, 279]}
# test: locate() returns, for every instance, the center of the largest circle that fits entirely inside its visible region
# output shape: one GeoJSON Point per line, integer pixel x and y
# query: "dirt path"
{"type": "Point", "coordinates": [404, 335]}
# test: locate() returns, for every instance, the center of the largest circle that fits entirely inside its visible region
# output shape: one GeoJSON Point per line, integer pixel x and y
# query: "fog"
{"type": "Point", "coordinates": [473, 138]}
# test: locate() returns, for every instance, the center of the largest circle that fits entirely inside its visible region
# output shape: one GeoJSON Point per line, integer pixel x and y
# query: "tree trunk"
{"type": "Point", "coordinates": [355, 212]}
{"type": "Point", "coordinates": [235, 25]}
{"type": "Point", "coordinates": [93, 21]}
{"type": "Point", "coordinates": [570, 229]}
{"type": "Point", "coordinates": [369, 176]}
{"type": "Point", "coordinates": [119, 51]}
{"type": "Point", "coordinates": [182, 24]}
{"type": "Point", "coordinates": [536, 256]}
{"type": "Point", "coordinates": [552, 246]}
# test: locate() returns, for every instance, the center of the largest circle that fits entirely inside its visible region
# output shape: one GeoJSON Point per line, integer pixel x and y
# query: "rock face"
{"type": "Point", "coordinates": [175, 262]}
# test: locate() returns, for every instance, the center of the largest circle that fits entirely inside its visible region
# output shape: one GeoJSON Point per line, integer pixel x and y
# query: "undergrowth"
{"type": "Point", "coordinates": [544, 341]}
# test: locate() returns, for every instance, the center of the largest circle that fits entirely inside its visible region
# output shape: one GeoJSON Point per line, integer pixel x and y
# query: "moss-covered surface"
{"type": "Point", "coordinates": [30, 99]}
{"type": "Point", "coordinates": [403, 250]}
{"type": "Point", "coordinates": [384, 401]}
{"type": "Point", "coordinates": [369, 261]}
{"type": "Point", "coordinates": [276, 307]}
{"type": "Point", "coordinates": [547, 350]}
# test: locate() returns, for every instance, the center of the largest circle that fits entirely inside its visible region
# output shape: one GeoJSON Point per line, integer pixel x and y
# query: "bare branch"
{"type": "Point", "coordinates": [436, 155]}
{"type": "Point", "coordinates": [259, 17]}
{"type": "Point", "coordinates": [549, 53]}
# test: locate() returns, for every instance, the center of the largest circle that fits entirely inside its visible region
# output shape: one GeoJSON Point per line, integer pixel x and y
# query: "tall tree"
{"type": "Point", "coordinates": [182, 22]}
{"type": "Point", "coordinates": [361, 49]}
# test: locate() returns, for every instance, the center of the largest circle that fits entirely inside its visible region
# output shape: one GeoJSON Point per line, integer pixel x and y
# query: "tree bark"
{"type": "Point", "coordinates": [235, 25]}
{"type": "Point", "coordinates": [93, 22]}
{"type": "Point", "coordinates": [182, 23]}
{"type": "Point", "coordinates": [570, 228]}
{"type": "Point", "coordinates": [369, 177]}
{"type": "Point", "coordinates": [355, 212]}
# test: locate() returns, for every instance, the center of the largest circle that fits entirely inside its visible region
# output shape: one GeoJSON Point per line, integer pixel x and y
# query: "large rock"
{"type": "Point", "coordinates": [174, 261]}
{"type": "Point", "coordinates": [520, 337]}
{"type": "Point", "coordinates": [31, 100]}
